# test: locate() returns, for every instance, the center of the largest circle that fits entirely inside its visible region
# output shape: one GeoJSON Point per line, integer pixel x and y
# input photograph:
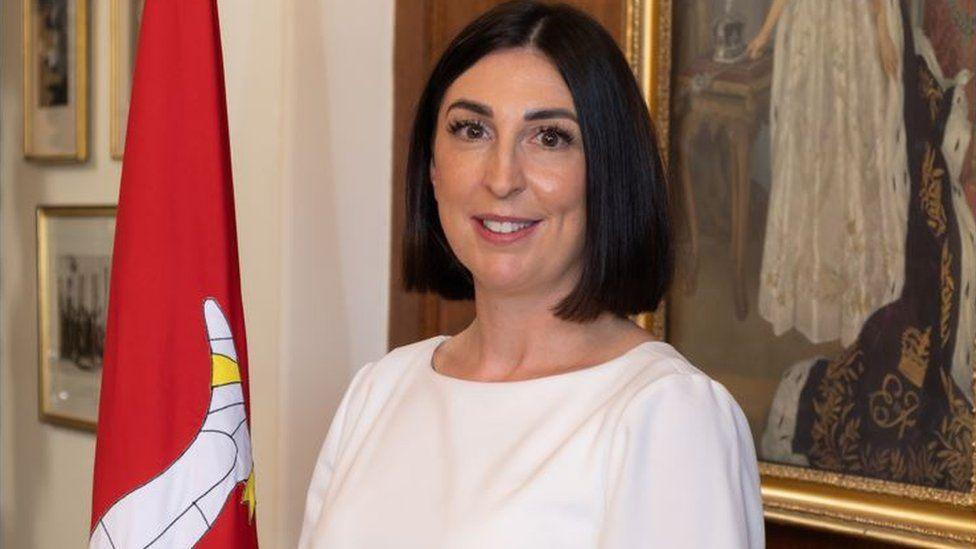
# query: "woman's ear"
{"type": "Point", "coordinates": [433, 173]}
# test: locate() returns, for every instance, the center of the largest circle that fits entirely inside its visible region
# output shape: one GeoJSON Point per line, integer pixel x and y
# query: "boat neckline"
{"type": "Point", "coordinates": [553, 378]}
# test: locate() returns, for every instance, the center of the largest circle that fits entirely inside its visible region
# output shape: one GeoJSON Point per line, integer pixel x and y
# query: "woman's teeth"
{"type": "Point", "coordinates": [504, 227]}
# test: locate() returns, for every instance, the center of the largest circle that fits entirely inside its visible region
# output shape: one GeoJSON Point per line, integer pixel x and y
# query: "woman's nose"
{"type": "Point", "coordinates": [504, 176]}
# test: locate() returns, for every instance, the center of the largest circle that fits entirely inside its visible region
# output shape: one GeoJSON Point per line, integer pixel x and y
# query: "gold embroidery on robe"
{"type": "Point", "coordinates": [914, 354]}
{"type": "Point", "coordinates": [931, 192]}
{"type": "Point", "coordinates": [893, 405]}
{"type": "Point", "coordinates": [948, 291]}
{"type": "Point", "coordinates": [931, 92]}
{"type": "Point", "coordinates": [835, 433]}
{"type": "Point", "coordinates": [943, 457]}
{"type": "Point", "coordinates": [954, 437]}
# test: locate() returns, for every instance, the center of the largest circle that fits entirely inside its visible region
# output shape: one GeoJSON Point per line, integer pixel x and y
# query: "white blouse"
{"type": "Point", "coordinates": [644, 450]}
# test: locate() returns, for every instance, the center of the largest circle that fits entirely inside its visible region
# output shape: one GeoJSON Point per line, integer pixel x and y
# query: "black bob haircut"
{"type": "Point", "coordinates": [627, 257]}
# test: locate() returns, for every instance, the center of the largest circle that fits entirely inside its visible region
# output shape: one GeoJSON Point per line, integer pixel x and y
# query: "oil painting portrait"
{"type": "Point", "coordinates": [825, 181]}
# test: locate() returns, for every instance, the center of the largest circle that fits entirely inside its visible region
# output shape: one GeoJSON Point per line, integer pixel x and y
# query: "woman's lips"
{"type": "Point", "coordinates": [503, 238]}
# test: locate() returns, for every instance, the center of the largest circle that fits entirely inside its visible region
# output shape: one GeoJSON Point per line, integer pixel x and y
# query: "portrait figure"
{"type": "Point", "coordinates": [825, 188]}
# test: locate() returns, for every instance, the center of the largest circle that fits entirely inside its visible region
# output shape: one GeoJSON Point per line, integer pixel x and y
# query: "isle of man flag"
{"type": "Point", "coordinates": [173, 464]}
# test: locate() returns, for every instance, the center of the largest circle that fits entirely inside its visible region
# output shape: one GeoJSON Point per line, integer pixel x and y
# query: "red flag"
{"type": "Point", "coordinates": [173, 463]}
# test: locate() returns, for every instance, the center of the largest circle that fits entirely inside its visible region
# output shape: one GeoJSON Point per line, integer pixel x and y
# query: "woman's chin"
{"type": "Point", "coordinates": [503, 281]}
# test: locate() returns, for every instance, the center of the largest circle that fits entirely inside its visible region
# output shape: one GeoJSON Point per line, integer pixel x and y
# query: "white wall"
{"type": "Point", "coordinates": [309, 91]}
{"type": "Point", "coordinates": [338, 119]}
{"type": "Point", "coordinates": [252, 37]}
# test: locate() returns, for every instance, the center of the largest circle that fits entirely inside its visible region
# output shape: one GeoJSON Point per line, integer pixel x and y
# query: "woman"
{"type": "Point", "coordinates": [535, 187]}
{"type": "Point", "coordinates": [834, 250]}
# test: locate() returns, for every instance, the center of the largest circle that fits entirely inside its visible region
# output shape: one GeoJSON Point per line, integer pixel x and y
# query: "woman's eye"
{"type": "Point", "coordinates": [553, 138]}
{"type": "Point", "coordinates": [468, 130]}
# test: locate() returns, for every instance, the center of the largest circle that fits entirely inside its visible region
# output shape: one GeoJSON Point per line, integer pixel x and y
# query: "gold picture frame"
{"type": "Point", "coordinates": [74, 258]}
{"type": "Point", "coordinates": [55, 86]}
{"type": "Point", "coordinates": [124, 18]}
{"type": "Point", "coordinates": [859, 506]}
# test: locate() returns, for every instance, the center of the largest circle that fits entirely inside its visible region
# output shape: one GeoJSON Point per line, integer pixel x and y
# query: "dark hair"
{"type": "Point", "coordinates": [627, 254]}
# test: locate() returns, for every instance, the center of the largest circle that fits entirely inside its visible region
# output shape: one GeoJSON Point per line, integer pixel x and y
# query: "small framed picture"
{"type": "Point", "coordinates": [124, 21]}
{"type": "Point", "coordinates": [74, 261]}
{"type": "Point", "coordinates": [56, 80]}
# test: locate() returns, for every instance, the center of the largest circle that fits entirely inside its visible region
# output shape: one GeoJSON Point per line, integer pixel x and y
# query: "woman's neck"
{"type": "Point", "coordinates": [519, 337]}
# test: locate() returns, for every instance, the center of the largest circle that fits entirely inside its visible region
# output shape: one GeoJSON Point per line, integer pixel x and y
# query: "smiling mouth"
{"type": "Point", "coordinates": [506, 227]}
{"type": "Point", "coordinates": [504, 230]}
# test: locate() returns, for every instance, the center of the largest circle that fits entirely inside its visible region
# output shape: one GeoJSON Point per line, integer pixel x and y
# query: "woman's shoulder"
{"type": "Point", "coordinates": [386, 371]}
{"type": "Point", "coordinates": [398, 360]}
{"type": "Point", "coordinates": [659, 367]}
{"type": "Point", "coordinates": [376, 382]}
{"type": "Point", "coordinates": [668, 387]}
{"type": "Point", "coordinates": [658, 360]}
{"type": "Point", "coordinates": [683, 444]}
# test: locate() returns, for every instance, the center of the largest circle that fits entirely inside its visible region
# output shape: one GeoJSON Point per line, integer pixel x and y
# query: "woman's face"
{"type": "Point", "coordinates": [509, 174]}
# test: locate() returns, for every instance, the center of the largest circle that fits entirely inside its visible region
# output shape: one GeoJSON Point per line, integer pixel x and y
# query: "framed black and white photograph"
{"type": "Point", "coordinates": [74, 261]}
{"type": "Point", "coordinates": [56, 80]}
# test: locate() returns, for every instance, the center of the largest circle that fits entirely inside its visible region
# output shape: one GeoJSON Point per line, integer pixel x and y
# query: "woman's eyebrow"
{"type": "Point", "coordinates": [473, 106]}
{"type": "Point", "coordinates": [544, 114]}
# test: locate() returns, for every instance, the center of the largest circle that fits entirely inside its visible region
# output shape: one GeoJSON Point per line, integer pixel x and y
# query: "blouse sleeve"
{"type": "Point", "coordinates": [683, 470]}
{"type": "Point", "coordinates": [325, 464]}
